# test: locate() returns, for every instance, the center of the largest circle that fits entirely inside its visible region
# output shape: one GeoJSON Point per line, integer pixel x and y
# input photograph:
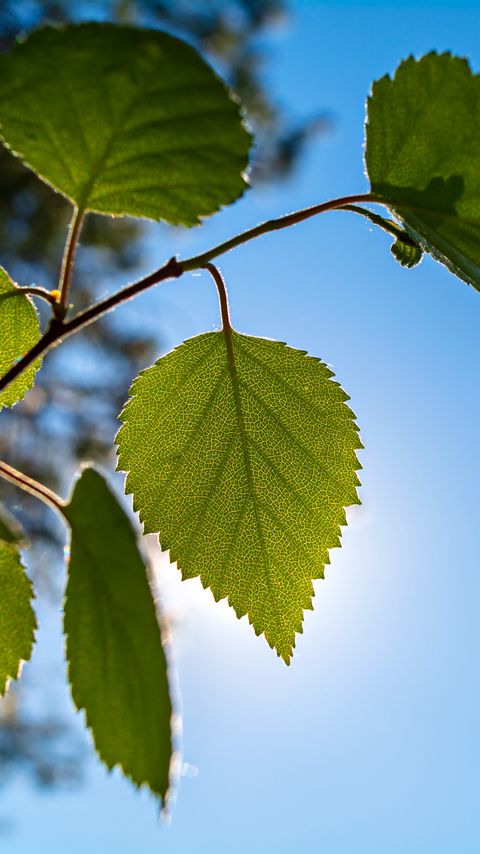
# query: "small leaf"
{"type": "Point", "coordinates": [17, 619]}
{"type": "Point", "coordinates": [423, 156]}
{"type": "Point", "coordinates": [19, 331]}
{"type": "Point", "coordinates": [407, 253]}
{"type": "Point", "coordinates": [116, 662]}
{"type": "Point", "coordinates": [124, 121]}
{"type": "Point", "coordinates": [404, 249]}
{"type": "Point", "coordinates": [241, 454]}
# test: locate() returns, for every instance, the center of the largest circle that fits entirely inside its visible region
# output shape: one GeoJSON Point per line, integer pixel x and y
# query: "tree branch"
{"type": "Point", "coordinates": [59, 329]}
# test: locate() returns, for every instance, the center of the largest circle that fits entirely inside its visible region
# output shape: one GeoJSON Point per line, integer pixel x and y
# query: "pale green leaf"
{"type": "Point", "coordinates": [116, 661]}
{"type": "Point", "coordinates": [124, 121]}
{"type": "Point", "coordinates": [19, 331]}
{"type": "Point", "coordinates": [17, 619]}
{"type": "Point", "coordinates": [243, 459]}
{"type": "Point", "coordinates": [423, 156]}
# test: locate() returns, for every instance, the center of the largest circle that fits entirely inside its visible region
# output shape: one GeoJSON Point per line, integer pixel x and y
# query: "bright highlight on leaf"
{"type": "Point", "coordinates": [423, 156]}
{"type": "Point", "coordinates": [116, 662]}
{"type": "Point", "coordinates": [124, 121]}
{"type": "Point", "coordinates": [19, 331]}
{"type": "Point", "coordinates": [17, 619]}
{"type": "Point", "coordinates": [243, 461]}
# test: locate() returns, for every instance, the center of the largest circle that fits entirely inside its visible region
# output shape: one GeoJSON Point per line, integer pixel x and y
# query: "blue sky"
{"type": "Point", "coordinates": [369, 741]}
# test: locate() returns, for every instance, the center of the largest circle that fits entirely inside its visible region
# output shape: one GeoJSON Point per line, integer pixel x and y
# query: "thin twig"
{"type": "Point", "coordinates": [48, 296]}
{"type": "Point", "coordinates": [272, 225]}
{"type": "Point", "coordinates": [26, 483]}
{"type": "Point", "coordinates": [68, 262]}
{"type": "Point", "coordinates": [59, 329]}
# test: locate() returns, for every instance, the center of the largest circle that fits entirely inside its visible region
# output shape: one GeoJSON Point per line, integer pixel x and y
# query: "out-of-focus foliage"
{"type": "Point", "coordinates": [52, 428]}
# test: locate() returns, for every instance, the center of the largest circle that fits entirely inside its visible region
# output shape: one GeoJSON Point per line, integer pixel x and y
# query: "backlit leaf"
{"type": "Point", "coordinates": [123, 121]}
{"type": "Point", "coordinates": [242, 457]}
{"type": "Point", "coordinates": [116, 662]}
{"type": "Point", "coordinates": [406, 251]}
{"type": "Point", "coordinates": [423, 156]}
{"type": "Point", "coordinates": [19, 331]}
{"type": "Point", "coordinates": [17, 619]}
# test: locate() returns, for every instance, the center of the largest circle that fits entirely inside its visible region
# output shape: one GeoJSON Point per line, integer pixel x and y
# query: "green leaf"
{"type": "Point", "coordinates": [116, 662]}
{"type": "Point", "coordinates": [241, 454]}
{"type": "Point", "coordinates": [19, 331]}
{"type": "Point", "coordinates": [17, 619]}
{"type": "Point", "coordinates": [124, 121]}
{"type": "Point", "coordinates": [423, 156]}
{"type": "Point", "coordinates": [407, 253]}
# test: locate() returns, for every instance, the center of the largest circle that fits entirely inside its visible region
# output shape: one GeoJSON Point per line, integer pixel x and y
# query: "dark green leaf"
{"type": "Point", "coordinates": [19, 331]}
{"type": "Point", "coordinates": [124, 121]}
{"type": "Point", "coordinates": [17, 619]}
{"type": "Point", "coordinates": [116, 662]}
{"type": "Point", "coordinates": [243, 460]}
{"type": "Point", "coordinates": [423, 156]}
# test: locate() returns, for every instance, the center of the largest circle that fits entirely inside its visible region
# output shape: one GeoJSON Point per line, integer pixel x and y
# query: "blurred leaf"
{"type": "Point", "coordinates": [423, 156]}
{"type": "Point", "coordinates": [10, 530]}
{"type": "Point", "coordinates": [116, 662]}
{"type": "Point", "coordinates": [241, 454]}
{"type": "Point", "coordinates": [124, 121]}
{"type": "Point", "coordinates": [17, 619]}
{"type": "Point", "coordinates": [19, 331]}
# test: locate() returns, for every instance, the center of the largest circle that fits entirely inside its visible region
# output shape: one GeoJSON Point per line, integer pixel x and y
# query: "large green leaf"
{"type": "Point", "coordinates": [123, 121]}
{"type": "Point", "coordinates": [423, 156]}
{"type": "Point", "coordinates": [116, 661]}
{"type": "Point", "coordinates": [241, 454]}
{"type": "Point", "coordinates": [19, 331]}
{"type": "Point", "coordinates": [17, 619]}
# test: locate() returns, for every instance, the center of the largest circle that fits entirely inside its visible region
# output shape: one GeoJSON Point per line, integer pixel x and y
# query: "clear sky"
{"type": "Point", "coordinates": [369, 742]}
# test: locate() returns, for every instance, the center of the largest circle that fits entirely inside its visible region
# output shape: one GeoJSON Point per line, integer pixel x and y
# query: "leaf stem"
{"type": "Point", "coordinates": [48, 296]}
{"type": "Point", "coordinates": [59, 328]}
{"type": "Point", "coordinates": [68, 262]}
{"type": "Point", "coordinates": [35, 488]}
{"type": "Point", "coordinates": [222, 295]}
{"type": "Point", "coordinates": [388, 225]}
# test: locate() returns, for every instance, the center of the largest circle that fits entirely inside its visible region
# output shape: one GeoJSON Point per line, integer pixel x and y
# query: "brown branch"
{"type": "Point", "coordinates": [60, 329]}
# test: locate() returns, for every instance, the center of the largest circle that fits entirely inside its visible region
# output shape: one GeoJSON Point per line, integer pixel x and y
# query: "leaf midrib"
{"type": "Point", "coordinates": [233, 374]}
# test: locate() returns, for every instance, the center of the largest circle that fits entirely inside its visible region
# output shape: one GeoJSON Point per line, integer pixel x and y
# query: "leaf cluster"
{"type": "Point", "coordinates": [240, 452]}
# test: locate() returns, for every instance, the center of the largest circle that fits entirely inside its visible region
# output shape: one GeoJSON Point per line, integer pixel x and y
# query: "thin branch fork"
{"type": "Point", "coordinates": [59, 329]}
